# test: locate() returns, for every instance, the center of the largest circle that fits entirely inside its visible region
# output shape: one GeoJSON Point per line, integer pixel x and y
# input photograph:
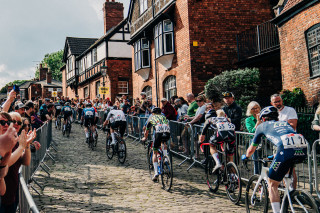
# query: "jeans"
{"type": "Point", "coordinates": [257, 165]}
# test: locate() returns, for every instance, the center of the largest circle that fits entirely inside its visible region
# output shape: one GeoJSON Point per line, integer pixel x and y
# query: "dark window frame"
{"type": "Point", "coordinates": [160, 41]}
{"type": "Point", "coordinates": [168, 90]}
{"type": "Point", "coordinates": [148, 91]}
{"type": "Point", "coordinates": [139, 49]}
{"type": "Point", "coordinates": [315, 28]}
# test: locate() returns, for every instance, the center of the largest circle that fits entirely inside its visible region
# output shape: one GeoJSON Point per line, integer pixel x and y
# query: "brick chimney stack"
{"type": "Point", "coordinates": [113, 14]}
{"type": "Point", "coordinates": [42, 73]}
{"type": "Point", "coordinates": [49, 77]}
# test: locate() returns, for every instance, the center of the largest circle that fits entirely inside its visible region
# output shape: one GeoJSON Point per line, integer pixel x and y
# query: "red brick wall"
{"type": "Point", "coordinates": [214, 25]}
{"type": "Point", "coordinates": [113, 14]}
{"type": "Point", "coordinates": [294, 54]}
{"type": "Point", "coordinates": [35, 90]}
{"type": "Point", "coordinates": [64, 82]}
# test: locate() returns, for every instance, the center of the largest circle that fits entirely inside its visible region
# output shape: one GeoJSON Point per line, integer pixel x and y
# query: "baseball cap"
{"type": "Point", "coordinates": [177, 100]}
{"type": "Point", "coordinates": [164, 99]}
{"type": "Point", "coordinates": [47, 99]}
{"type": "Point", "coordinates": [19, 105]}
{"type": "Point", "coordinates": [227, 94]}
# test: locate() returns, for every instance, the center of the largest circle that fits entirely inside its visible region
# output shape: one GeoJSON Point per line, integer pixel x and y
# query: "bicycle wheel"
{"type": "Point", "coordinates": [122, 151]}
{"type": "Point", "coordinates": [68, 130]}
{"type": "Point", "coordinates": [109, 147]}
{"type": "Point", "coordinates": [59, 123]}
{"type": "Point", "coordinates": [167, 173]}
{"type": "Point", "coordinates": [213, 179]}
{"type": "Point", "coordinates": [302, 201]}
{"type": "Point", "coordinates": [233, 186]}
{"type": "Point", "coordinates": [257, 202]}
{"type": "Point", "coordinates": [149, 160]}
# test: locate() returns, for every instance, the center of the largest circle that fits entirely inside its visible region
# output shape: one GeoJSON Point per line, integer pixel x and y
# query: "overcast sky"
{"type": "Point", "coordinates": [30, 29]}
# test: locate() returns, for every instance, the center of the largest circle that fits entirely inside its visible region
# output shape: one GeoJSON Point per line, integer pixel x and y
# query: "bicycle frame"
{"type": "Point", "coordinates": [263, 176]}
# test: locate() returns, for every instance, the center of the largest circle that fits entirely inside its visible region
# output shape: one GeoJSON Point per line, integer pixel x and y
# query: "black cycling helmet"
{"type": "Point", "coordinates": [114, 107]}
{"type": "Point", "coordinates": [67, 104]}
{"type": "Point", "coordinates": [156, 110]}
{"type": "Point", "coordinates": [89, 105]}
{"type": "Point", "coordinates": [270, 112]}
{"type": "Point", "coordinates": [210, 113]}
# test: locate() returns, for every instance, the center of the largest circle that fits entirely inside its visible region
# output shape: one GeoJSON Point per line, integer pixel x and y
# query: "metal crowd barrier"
{"type": "Point", "coordinates": [27, 173]}
{"type": "Point", "coordinates": [316, 165]}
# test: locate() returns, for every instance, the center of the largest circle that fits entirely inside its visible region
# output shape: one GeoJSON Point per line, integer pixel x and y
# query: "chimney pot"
{"type": "Point", "coordinates": [49, 77]}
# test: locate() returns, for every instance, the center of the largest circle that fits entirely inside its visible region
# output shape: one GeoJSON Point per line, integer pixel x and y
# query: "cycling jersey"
{"type": "Point", "coordinates": [161, 128]}
{"type": "Point", "coordinates": [88, 112]}
{"type": "Point", "coordinates": [291, 147]}
{"type": "Point", "coordinates": [224, 131]}
{"type": "Point", "coordinates": [116, 115]}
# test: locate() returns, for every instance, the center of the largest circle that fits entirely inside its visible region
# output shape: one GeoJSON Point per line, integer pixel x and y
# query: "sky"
{"type": "Point", "coordinates": [30, 29]}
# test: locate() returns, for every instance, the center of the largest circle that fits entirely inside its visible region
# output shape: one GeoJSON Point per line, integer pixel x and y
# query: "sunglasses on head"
{"type": "Point", "coordinates": [227, 94]}
{"type": "Point", "coordinates": [16, 122]}
{"type": "Point", "coordinates": [3, 122]}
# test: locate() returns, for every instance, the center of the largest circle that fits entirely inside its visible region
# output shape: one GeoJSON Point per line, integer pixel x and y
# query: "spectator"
{"type": "Point", "coordinates": [149, 107]}
{"type": "Point", "coordinates": [172, 102]}
{"type": "Point", "coordinates": [29, 110]}
{"type": "Point", "coordinates": [126, 106]}
{"type": "Point", "coordinates": [285, 113]}
{"type": "Point", "coordinates": [182, 109]}
{"type": "Point", "coordinates": [168, 110]}
{"type": "Point", "coordinates": [252, 122]}
{"type": "Point", "coordinates": [19, 108]}
{"type": "Point", "coordinates": [197, 118]}
{"type": "Point", "coordinates": [315, 125]}
{"type": "Point", "coordinates": [232, 110]}
{"type": "Point", "coordinates": [142, 107]}
{"type": "Point", "coordinates": [192, 107]}
{"type": "Point", "coordinates": [117, 104]}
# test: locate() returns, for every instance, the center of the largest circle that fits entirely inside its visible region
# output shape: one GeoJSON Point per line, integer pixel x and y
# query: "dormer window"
{"type": "Point", "coordinates": [163, 38]}
{"type": "Point", "coordinates": [143, 5]}
{"type": "Point", "coordinates": [141, 54]}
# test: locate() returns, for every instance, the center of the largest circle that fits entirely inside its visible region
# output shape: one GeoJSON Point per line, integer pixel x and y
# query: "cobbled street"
{"type": "Point", "coordinates": [86, 181]}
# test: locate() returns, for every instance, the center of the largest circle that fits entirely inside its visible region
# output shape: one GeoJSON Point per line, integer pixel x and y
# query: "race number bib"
{"type": "Point", "coordinates": [160, 128]}
{"type": "Point", "coordinates": [225, 126]}
{"type": "Point", "coordinates": [290, 141]}
{"type": "Point", "coordinates": [89, 113]}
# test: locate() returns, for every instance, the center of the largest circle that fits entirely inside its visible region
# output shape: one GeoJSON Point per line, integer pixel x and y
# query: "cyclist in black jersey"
{"type": "Point", "coordinates": [161, 133]}
{"type": "Point", "coordinates": [291, 149]}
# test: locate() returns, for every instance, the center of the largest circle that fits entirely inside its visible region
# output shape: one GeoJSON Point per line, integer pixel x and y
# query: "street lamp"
{"type": "Point", "coordinates": [103, 70]}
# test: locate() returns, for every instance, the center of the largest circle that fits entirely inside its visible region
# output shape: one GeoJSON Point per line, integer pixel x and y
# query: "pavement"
{"type": "Point", "coordinates": [83, 180]}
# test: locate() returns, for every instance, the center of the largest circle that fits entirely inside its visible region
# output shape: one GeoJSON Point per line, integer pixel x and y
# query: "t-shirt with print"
{"type": "Point", "coordinates": [192, 109]}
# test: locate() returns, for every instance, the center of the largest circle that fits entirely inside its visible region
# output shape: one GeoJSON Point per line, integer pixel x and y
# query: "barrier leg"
{"type": "Point", "coordinates": [193, 163]}
{"type": "Point", "coordinates": [183, 161]}
{"type": "Point", "coordinates": [46, 165]}
{"type": "Point", "coordinates": [52, 158]}
{"type": "Point", "coordinates": [36, 190]}
{"type": "Point", "coordinates": [45, 170]}
{"type": "Point", "coordinates": [37, 183]}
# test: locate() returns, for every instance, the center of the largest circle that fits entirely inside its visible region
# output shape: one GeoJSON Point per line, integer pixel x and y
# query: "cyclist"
{"type": "Point", "coordinates": [224, 132]}
{"type": "Point", "coordinates": [88, 115]}
{"type": "Point", "coordinates": [58, 108]}
{"type": "Point", "coordinates": [67, 113]}
{"type": "Point", "coordinates": [161, 133]}
{"type": "Point", "coordinates": [291, 149]}
{"type": "Point", "coordinates": [116, 118]}
{"type": "Point", "coordinates": [96, 120]}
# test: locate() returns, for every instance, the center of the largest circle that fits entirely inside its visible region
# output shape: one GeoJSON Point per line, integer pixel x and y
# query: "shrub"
{"type": "Point", "coordinates": [296, 98]}
{"type": "Point", "coordinates": [243, 83]}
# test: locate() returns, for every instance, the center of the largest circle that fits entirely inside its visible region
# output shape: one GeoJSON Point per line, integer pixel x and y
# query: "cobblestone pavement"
{"type": "Point", "coordinates": [86, 181]}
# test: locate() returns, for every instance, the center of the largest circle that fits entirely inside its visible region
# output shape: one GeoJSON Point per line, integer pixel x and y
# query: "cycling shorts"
{"type": "Point", "coordinates": [224, 137]}
{"type": "Point", "coordinates": [284, 160]}
{"type": "Point", "coordinates": [160, 137]}
{"type": "Point", "coordinates": [121, 125]}
{"type": "Point", "coordinates": [57, 112]}
{"type": "Point", "coordinates": [88, 121]}
{"type": "Point", "coordinates": [66, 115]}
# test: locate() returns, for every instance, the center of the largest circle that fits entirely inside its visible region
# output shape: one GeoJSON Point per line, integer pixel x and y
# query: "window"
{"type": "Point", "coordinates": [141, 54]}
{"type": "Point", "coordinates": [70, 65]}
{"type": "Point", "coordinates": [143, 5]}
{"type": "Point", "coordinates": [123, 87]}
{"type": "Point", "coordinates": [86, 92]}
{"type": "Point", "coordinates": [97, 88]}
{"type": "Point", "coordinates": [313, 43]}
{"type": "Point", "coordinates": [94, 56]}
{"type": "Point", "coordinates": [170, 88]}
{"type": "Point", "coordinates": [163, 38]}
{"type": "Point", "coordinates": [148, 91]}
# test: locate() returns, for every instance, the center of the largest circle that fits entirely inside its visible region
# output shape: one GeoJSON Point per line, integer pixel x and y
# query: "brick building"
{"type": "Point", "coordinates": [179, 44]}
{"type": "Point", "coordinates": [299, 32]}
{"type": "Point", "coordinates": [84, 58]}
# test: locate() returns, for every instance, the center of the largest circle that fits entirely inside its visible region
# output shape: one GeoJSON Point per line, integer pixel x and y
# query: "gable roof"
{"type": "Point", "coordinates": [26, 85]}
{"type": "Point", "coordinates": [290, 4]}
{"type": "Point", "coordinates": [54, 83]}
{"type": "Point", "coordinates": [77, 45]}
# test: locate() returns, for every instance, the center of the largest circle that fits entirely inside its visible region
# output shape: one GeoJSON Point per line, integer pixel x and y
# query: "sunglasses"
{"type": "Point", "coordinates": [17, 122]}
{"type": "Point", "coordinates": [227, 94]}
{"type": "Point", "coordinates": [3, 122]}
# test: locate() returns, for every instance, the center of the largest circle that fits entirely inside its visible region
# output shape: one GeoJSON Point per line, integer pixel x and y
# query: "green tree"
{"type": "Point", "coordinates": [243, 83]}
{"type": "Point", "coordinates": [16, 82]}
{"type": "Point", "coordinates": [294, 98]}
{"type": "Point", "coordinates": [54, 62]}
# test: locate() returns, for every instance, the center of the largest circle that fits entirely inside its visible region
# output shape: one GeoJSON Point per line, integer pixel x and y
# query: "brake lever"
{"type": "Point", "coordinates": [245, 165]}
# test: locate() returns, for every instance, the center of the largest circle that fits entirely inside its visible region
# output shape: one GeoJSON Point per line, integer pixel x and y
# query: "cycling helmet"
{"type": "Point", "coordinates": [270, 112]}
{"type": "Point", "coordinates": [89, 105]}
{"type": "Point", "coordinates": [210, 113]}
{"type": "Point", "coordinates": [156, 110]}
{"type": "Point", "coordinates": [114, 107]}
{"type": "Point", "coordinates": [67, 104]}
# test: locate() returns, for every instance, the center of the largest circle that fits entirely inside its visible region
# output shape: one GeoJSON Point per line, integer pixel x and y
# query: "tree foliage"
{"type": "Point", "coordinates": [243, 83]}
{"type": "Point", "coordinates": [16, 82]}
{"type": "Point", "coordinates": [294, 98]}
{"type": "Point", "coordinates": [54, 62]}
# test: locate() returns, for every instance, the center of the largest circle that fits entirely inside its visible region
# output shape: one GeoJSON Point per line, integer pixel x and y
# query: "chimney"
{"type": "Point", "coordinates": [42, 73]}
{"type": "Point", "coordinates": [113, 14]}
{"type": "Point", "coordinates": [49, 77]}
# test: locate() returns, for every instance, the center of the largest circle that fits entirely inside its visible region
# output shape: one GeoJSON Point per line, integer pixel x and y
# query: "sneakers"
{"type": "Point", "coordinates": [155, 178]}
{"type": "Point", "coordinates": [216, 168]}
{"type": "Point", "coordinates": [204, 161]}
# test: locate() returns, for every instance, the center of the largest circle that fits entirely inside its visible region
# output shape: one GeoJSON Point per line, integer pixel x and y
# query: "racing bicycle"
{"type": "Point", "coordinates": [119, 148]}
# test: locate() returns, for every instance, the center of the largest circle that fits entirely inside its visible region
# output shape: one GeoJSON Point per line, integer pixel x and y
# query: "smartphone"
{"type": "Point", "coordinates": [16, 88]}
